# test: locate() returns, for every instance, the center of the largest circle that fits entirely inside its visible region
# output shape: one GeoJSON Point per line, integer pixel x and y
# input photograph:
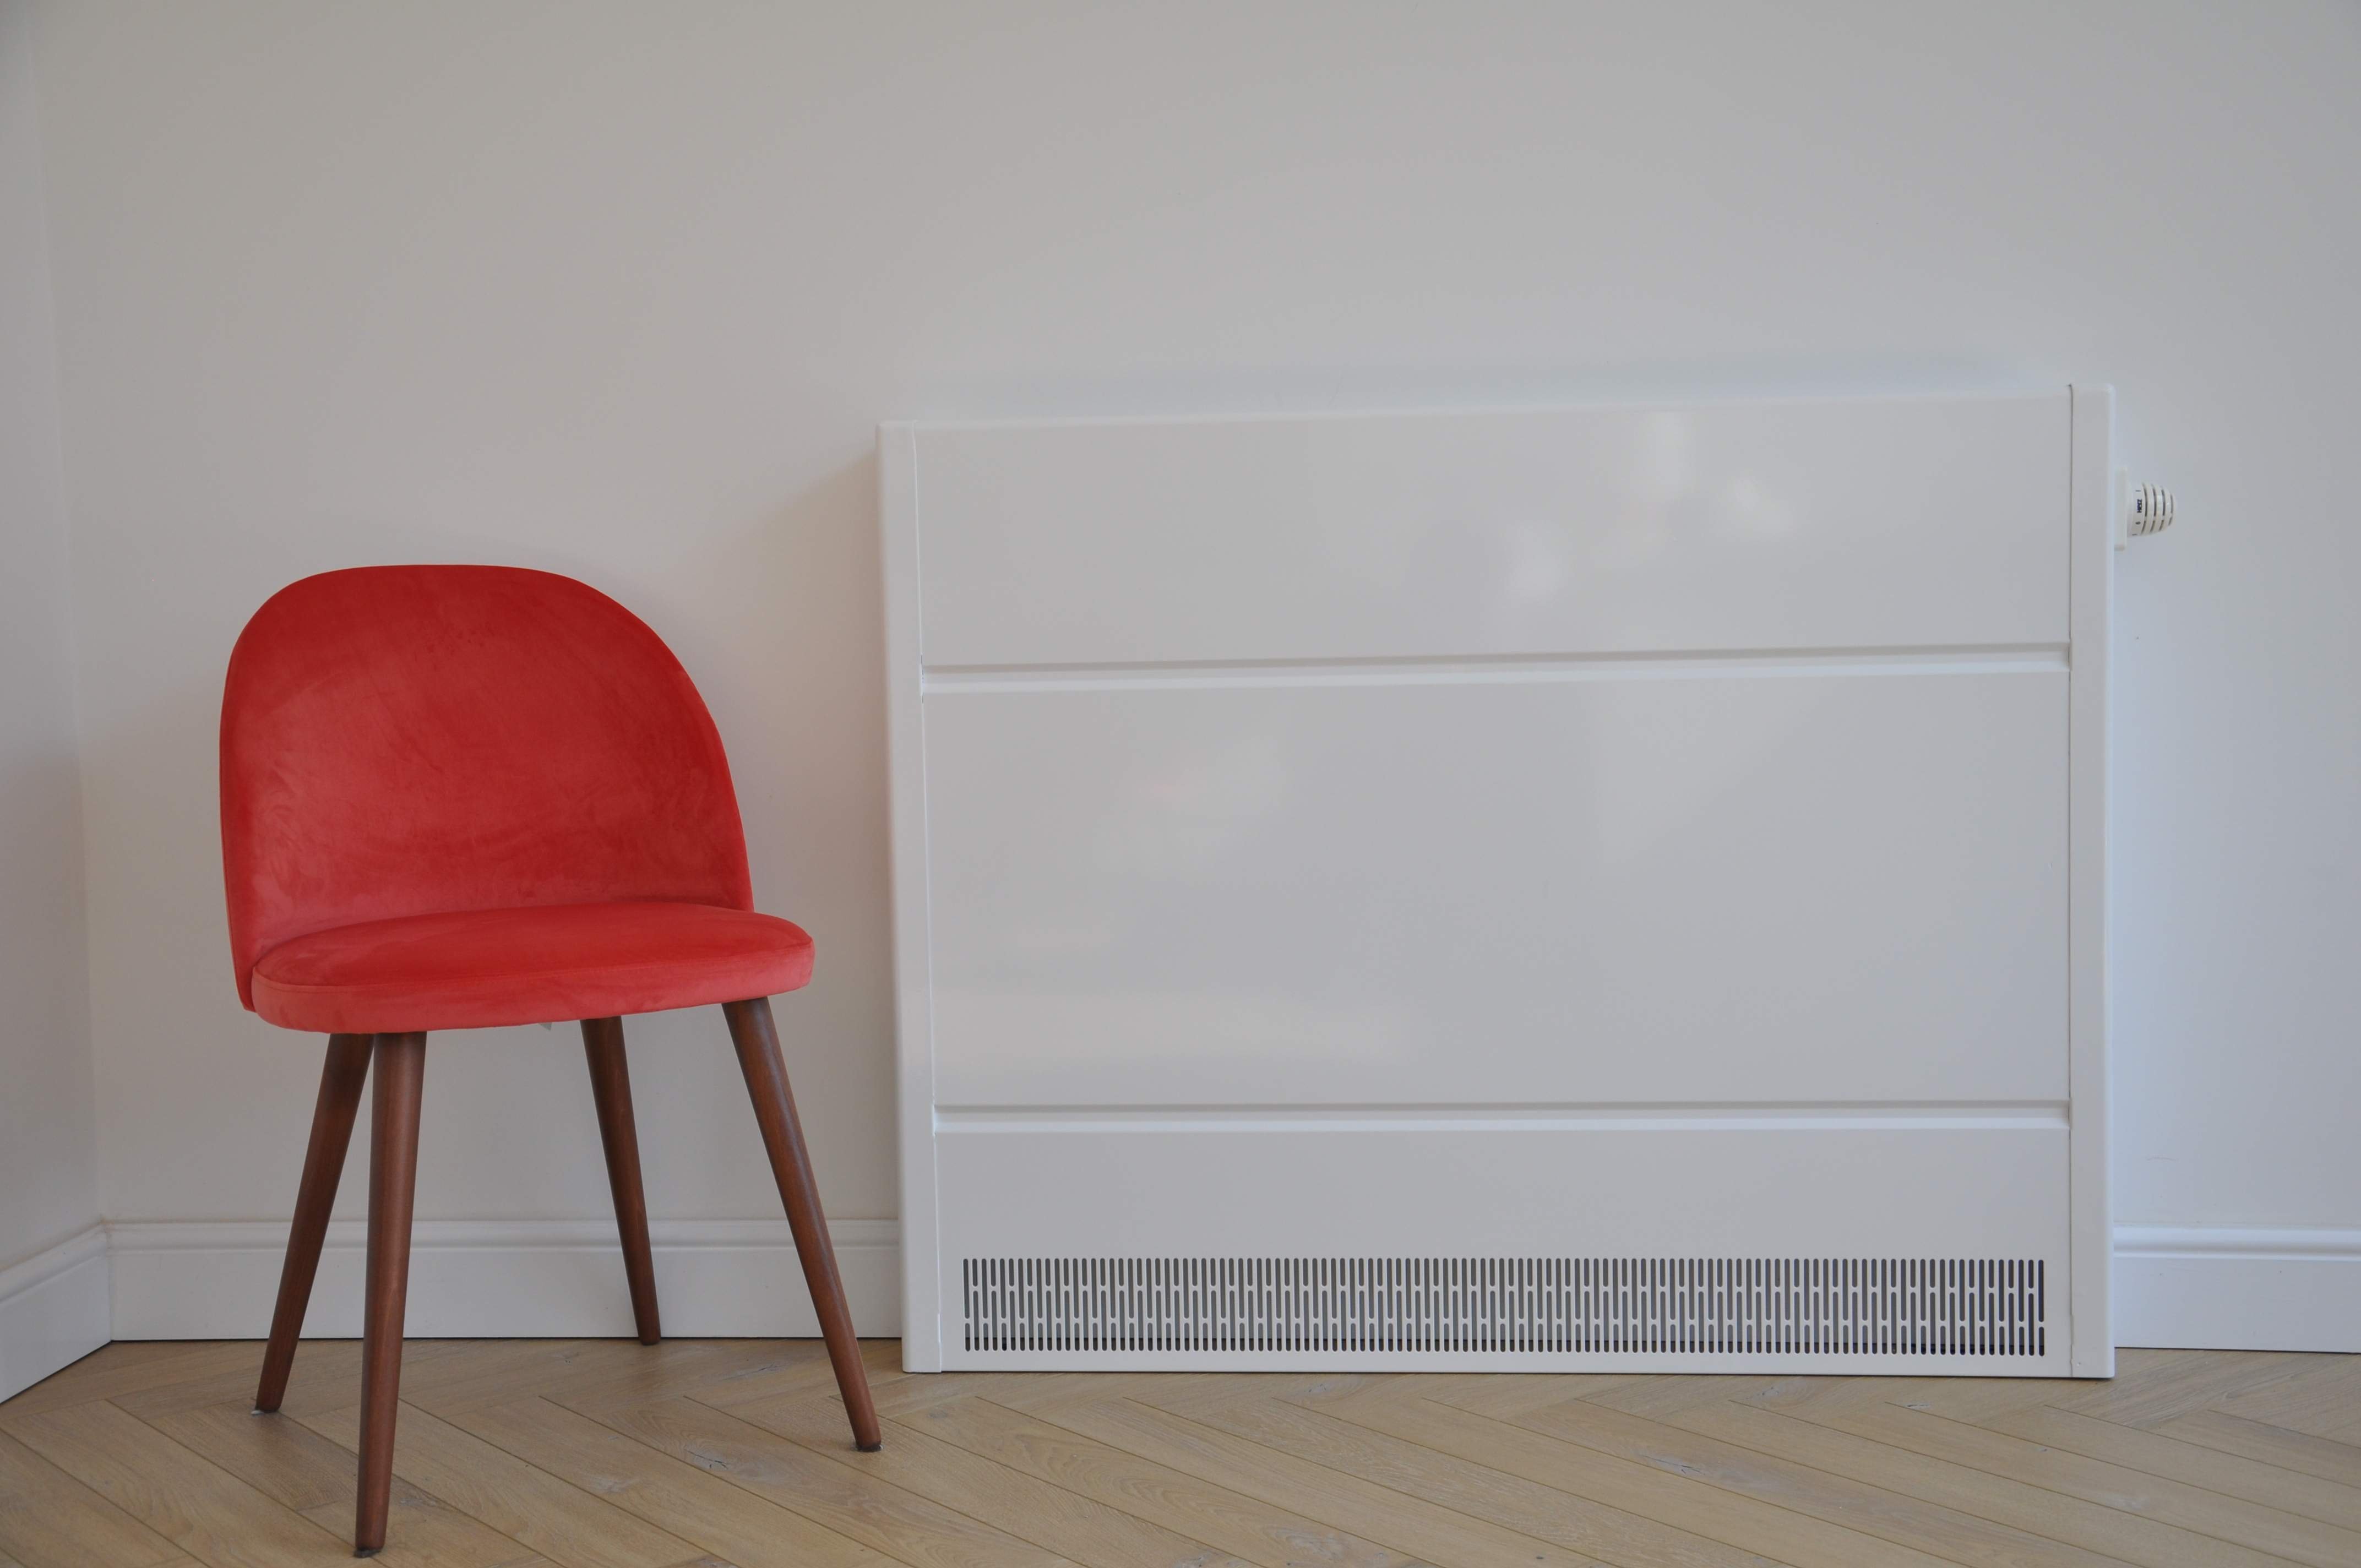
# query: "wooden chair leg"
{"type": "Point", "coordinates": [611, 1086]}
{"type": "Point", "coordinates": [750, 1030]}
{"type": "Point", "coordinates": [323, 1164]}
{"type": "Point", "coordinates": [393, 1185]}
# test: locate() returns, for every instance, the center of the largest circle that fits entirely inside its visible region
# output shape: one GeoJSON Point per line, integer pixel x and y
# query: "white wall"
{"type": "Point", "coordinates": [52, 1272]}
{"type": "Point", "coordinates": [622, 289]}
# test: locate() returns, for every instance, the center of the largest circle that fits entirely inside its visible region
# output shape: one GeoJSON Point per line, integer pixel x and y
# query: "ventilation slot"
{"type": "Point", "coordinates": [1733, 1306]}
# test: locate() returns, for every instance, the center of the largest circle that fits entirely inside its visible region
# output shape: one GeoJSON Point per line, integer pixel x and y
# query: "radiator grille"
{"type": "Point", "coordinates": [1780, 1306]}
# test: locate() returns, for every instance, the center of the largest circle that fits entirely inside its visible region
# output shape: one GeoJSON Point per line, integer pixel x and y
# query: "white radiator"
{"type": "Point", "coordinates": [1606, 888]}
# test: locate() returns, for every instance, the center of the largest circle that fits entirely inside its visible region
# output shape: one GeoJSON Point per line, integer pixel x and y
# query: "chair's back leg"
{"type": "Point", "coordinates": [774, 1107]}
{"type": "Point", "coordinates": [393, 1185]}
{"type": "Point", "coordinates": [324, 1163]}
{"type": "Point", "coordinates": [611, 1086]}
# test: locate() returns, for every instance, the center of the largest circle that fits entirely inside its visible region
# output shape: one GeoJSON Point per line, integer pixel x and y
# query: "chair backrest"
{"type": "Point", "coordinates": [412, 739]}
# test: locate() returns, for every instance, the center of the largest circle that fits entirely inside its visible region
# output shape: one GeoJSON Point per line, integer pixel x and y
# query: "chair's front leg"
{"type": "Point", "coordinates": [315, 1194]}
{"type": "Point", "coordinates": [610, 1088]}
{"type": "Point", "coordinates": [393, 1186]}
{"type": "Point", "coordinates": [774, 1107]}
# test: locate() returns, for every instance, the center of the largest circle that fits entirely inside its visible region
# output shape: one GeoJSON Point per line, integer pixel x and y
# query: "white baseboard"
{"type": "Point", "coordinates": [2222, 1288]}
{"type": "Point", "coordinates": [2214, 1288]}
{"type": "Point", "coordinates": [501, 1278]}
{"type": "Point", "coordinates": [53, 1310]}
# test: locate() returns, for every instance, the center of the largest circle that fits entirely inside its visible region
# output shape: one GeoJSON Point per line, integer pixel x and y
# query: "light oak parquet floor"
{"type": "Point", "coordinates": [609, 1454]}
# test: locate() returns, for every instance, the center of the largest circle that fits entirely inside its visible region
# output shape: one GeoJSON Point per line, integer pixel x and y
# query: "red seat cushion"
{"type": "Point", "coordinates": [554, 963]}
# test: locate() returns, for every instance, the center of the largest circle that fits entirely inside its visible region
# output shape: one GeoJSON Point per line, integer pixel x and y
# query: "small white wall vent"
{"type": "Point", "coordinates": [1651, 1306]}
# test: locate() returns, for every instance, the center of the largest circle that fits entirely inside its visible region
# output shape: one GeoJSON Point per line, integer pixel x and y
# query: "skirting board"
{"type": "Point", "coordinates": [502, 1279]}
{"type": "Point", "coordinates": [2216, 1289]}
{"type": "Point", "coordinates": [2222, 1288]}
{"type": "Point", "coordinates": [53, 1310]}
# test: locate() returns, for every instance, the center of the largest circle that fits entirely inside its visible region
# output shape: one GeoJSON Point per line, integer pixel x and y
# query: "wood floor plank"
{"type": "Point", "coordinates": [1967, 1398]}
{"type": "Point", "coordinates": [2323, 1457]}
{"type": "Point", "coordinates": [909, 1395]}
{"type": "Point", "coordinates": [2325, 1398]}
{"type": "Point", "coordinates": [131, 1366]}
{"type": "Point", "coordinates": [789, 1368]}
{"type": "Point", "coordinates": [2157, 1454]}
{"type": "Point", "coordinates": [739, 1379]}
{"type": "Point", "coordinates": [1069, 1523]}
{"type": "Point", "coordinates": [1898, 1520]}
{"type": "Point", "coordinates": [2091, 1529]}
{"type": "Point", "coordinates": [629, 1383]}
{"type": "Point", "coordinates": [295, 1466]}
{"type": "Point", "coordinates": [1643, 1499]}
{"type": "Point", "coordinates": [1507, 1394]}
{"type": "Point", "coordinates": [675, 1496]}
{"type": "Point", "coordinates": [1661, 1396]}
{"type": "Point", "coordinates": [1616, 1513]}
{"type": "Point", "coordinates": [885, 1517]}
{"type": "Point", "coordinates": [427, 1532]}
{"type": "Point", "coordinates": [1792, 1390]}
{"type": "Point", "coordinates": [2205, 1512]}
{"type": "Point", "coordinates": [1186, 1393]}
{"type": "Point", "coordinates": [1029, 1390]}
{"type": "Point", "coordinates": [1428, 1533]}
{"type": "Point", "coordinates": [1179, 1392]}
{"type": "Point", "coordinates": [204, 1510]}
{"type": "Point", "coordinates": [514, 1498]}
{"type": "Point", "coordinates": [2149, 1386]}
{"type": "Point", "coordinates": [1244, 1527]}
{"type": "Point", "coordinates": [47, 1516]}
{"type": "Point", "coordinates": [276, 1455]}
{"type": "Point", "coordinates": [326, 1375]}
{"type": "Point", "coordinates": [2155, 1385]}
{"type": "Point", "coordinates": [495, 1372]}
{"type": "Point", "coordinates": [745, 1370]}
{"type": "Point", "coordinates": [596, 1453]}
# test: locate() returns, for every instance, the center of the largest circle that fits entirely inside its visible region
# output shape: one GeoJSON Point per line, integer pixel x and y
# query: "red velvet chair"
{"type": "Point", "coordinates": [459, 797]}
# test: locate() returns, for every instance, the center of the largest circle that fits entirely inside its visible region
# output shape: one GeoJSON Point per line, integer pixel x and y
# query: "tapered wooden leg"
{"type": "Point", "coordinates": [393, 1185]}
{"type": "Point", "coordinates": [766, 1084]}
{"type": "Point", "coordinates": [323, 1164]}
{"type": "Point", "coordinates": [611, 1086]}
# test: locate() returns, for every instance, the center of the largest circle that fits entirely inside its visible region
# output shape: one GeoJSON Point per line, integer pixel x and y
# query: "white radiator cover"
{"type": "Point", "coordinates": [1596, 888]}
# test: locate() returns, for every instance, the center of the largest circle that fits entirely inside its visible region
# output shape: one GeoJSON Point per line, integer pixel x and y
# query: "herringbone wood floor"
{"type": "Point", "coordinates": [606, 1454]}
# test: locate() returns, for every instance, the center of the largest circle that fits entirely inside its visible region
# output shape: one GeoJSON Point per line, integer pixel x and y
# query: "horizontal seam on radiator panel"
{"type": "Point", "coordinates": [2240, 1242]}
{"type": "Point", "coordinates": [1166, 1119]}
{"type": "Point", "coordinates": [1488, 669]}
{"type": "Point", "coordinates": [1776, 399]}
{"type": "Point", "coordinates": [1511, 1107]}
